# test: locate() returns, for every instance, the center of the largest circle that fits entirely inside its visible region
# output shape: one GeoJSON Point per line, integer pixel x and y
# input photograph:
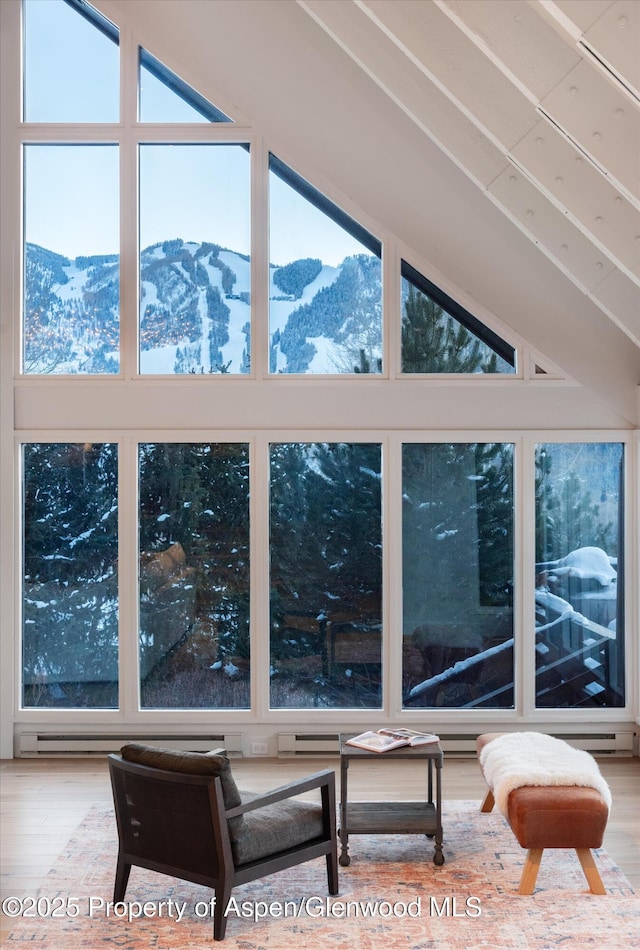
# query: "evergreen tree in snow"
{"type": "Point", "coordinates": [434, 342]}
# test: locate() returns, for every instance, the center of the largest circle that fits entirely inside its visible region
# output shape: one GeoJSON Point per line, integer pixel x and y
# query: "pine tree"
{"type": "Point", "coordinates": [70, 573]}
{"type": "Point", "coordinates": [434, 342]}
{"type": "Point", "coordinates": [567, 517]}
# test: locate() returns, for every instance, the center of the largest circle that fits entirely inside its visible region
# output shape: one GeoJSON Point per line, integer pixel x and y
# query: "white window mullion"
{"type": "Point", "coordinates": [259, 259]}
{"type": "Point", "coordinates": [392, 612]}
{"type": "Point", "coordinates": [128, 576]}
{"type": "Point", "coordinates": [128, 256]}
{"type": "Point", "coordinates": [392, 317]}
{"type": "Point", "coordinates": [524, 587]}
{"type": "Point", "coordinates": [129, 70]}
{"type": "Point", "coordinates": [260, 580]}
{"type": "Point", "coordinates": [129, 204]}
{"type": "Point", "coordinates": [631, 554]}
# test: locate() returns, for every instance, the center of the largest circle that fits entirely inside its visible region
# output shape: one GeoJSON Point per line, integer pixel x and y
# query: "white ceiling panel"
{"type": "Point", "coordinates": [582, 13]}
{"type": "Point", "coordinates": [539, 81]}
{"type": "Point", "coordinates": [551, 229]}
{"type": "Point", "coordinates": [574, 184]}
{"type": "Point", "coordinates": [432, 41]}
{"type": "Point", "coordinates": [615, 38]}
{"type": "Point", "coordinates": [602, 120]}
{"type": "Point", "coordinates": [422, 100]}
{"type": "Point", "coordinates": [621, 298]}
{"type": "Point", "coordinates": [521, 41]}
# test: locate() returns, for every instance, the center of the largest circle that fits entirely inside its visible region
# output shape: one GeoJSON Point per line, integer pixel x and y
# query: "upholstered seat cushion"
{"type": "Point", "coordinates": [192, 763]}
{"type": "Point", "coordinates": [277, 827]}
{"type": "Point", "coordinates": [558, 816]}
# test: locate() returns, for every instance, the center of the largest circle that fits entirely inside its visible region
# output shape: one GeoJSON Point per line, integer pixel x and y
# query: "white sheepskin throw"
{"type": "Point", "coordinates": [532, 758]}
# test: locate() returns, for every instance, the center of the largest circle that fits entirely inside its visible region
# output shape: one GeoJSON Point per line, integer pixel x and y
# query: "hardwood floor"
{"type": "Point", "coordinates": [44, 800]}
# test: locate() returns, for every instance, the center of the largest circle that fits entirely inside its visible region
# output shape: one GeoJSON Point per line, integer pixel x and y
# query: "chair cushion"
{"type": "Point", "coordinates": [558, 816]}
{"type": "Point", "coordinates": [275, 828]}
{"type": "Point", "coordinates": [191, 763]}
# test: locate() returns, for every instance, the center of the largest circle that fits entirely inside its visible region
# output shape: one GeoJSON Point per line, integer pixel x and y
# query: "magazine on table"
{"type": "Point", "coordinates": [383, 740]}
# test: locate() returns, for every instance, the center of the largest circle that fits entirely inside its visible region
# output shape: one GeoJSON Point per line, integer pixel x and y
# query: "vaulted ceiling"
{"type": "Point", "coordinates": [537, 103]}
{"type": "Point", "coordinates": [498, 140]}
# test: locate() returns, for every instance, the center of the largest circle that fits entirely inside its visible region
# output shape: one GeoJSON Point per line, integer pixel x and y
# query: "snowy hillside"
{"type": "Point", "coordinates": [195, 313]}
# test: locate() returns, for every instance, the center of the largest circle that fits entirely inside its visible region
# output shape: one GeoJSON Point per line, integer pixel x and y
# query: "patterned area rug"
{"type": "Point", "coordinates": [391, 896]}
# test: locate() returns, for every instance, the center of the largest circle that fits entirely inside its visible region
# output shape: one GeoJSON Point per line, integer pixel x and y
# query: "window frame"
{"type": "Point", "coordinates": [260, 712]}
{"type": "Point", "coordinates": [479, 330]}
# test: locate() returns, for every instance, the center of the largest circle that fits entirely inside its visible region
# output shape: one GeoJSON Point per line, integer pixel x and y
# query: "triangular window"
{"type": "Point", "coordinates": [542, 368]}
{"type": "Point", "coordinates": [164, 97]}
{"type": "Point", "coordinates": [72, 63]}
{"type": "Point", "coordinates": [440, 336]}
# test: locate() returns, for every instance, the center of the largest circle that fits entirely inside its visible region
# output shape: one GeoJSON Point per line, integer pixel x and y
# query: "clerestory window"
{"type": "Point", "coordinates": [324, 283]}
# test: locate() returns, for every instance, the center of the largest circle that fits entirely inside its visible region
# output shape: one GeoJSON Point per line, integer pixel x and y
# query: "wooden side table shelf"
{"type": "Point", "coordinates": [392, 818]}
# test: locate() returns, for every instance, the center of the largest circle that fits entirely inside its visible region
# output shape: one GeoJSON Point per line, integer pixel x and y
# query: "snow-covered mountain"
{"type": "Point", "coordinates": [195, 312]}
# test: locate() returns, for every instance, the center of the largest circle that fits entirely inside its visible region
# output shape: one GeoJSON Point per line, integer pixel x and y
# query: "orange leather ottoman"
{"type": "Point", "coordinates": [553, 816]}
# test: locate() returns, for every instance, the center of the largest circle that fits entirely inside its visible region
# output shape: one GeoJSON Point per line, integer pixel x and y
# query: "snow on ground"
{"type": "Point", "coordinates": [326, 357]}
{"type": "Point", "coordinates": [74, 288]}
{"type": "Point", "coordinates": [213, 273]}
{"type": "Point", "coordinates": [279, 310]}
{"type": "Point", "coordinates": [241, 268]}
{"type": "Point", "coordinates": [161, 360]}
{"type": "Point", "coordinates": [149, 293]}
{"type": "Point", "coordinates": [240, 314]}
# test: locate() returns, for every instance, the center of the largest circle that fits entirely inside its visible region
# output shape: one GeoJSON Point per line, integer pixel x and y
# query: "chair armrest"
{"type": "Point", "coordinates": [318, 780]}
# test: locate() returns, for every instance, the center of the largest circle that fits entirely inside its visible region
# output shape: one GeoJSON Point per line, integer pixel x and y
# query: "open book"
{"type": "Point", "coordinates": [385, 739]}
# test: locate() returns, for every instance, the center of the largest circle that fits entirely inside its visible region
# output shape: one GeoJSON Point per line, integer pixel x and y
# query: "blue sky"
{"type": "Point", "coordinates": [197, 193]}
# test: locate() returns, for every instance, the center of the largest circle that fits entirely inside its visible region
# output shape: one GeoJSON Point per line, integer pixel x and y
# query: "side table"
{"type": "Point", "coordinates": [392, 818]}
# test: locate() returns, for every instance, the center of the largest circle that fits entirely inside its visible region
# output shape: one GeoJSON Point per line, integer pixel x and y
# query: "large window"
{"type": "Point", "coordinates": [71, 64]}
{"type": "Point", "coordinates": [195, 278]}
{"type": "Point", "coordinates": [322, 285]}
{"type": "Point", "coordinates": [194, 576]}
{"type": "Point", "coordinates": [325, 291]}
{"type": "Point", "coordinates": [458, 575]}
{"type": "Point", "coordinates": [579, 592]}
{"type": "Point", "coordinates": [70, 577]}
{"type": "Point", "coordinates": [71, 261]}
{"type": "Point", "coordinates": [326, 575]}
{"type": "Point", "coordinates": [309, 539]}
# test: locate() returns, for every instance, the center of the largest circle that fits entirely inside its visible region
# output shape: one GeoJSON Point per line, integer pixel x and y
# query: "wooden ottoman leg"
{"type": "Point", "coordinates": [488, 802]}
{"type": "Point", "coordinates": [530, 871]}
{"type": "Point", "coordinates": [590, 871]}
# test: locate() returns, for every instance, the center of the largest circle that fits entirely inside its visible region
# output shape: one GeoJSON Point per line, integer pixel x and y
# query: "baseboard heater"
{"type": "Point", "coordinates": [620, 743]}
{"type": "Point", "coordinates": [31, 744]}
{"type": "Point", "coordinates": [303, 744]}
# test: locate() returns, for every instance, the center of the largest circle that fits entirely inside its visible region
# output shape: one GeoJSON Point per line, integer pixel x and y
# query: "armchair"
{"type": "Point", "coordinates": [181, 814]}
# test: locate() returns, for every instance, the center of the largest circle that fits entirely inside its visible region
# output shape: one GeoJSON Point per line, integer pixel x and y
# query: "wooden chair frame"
{"type": "Point", "coordinates": [177, 824]}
